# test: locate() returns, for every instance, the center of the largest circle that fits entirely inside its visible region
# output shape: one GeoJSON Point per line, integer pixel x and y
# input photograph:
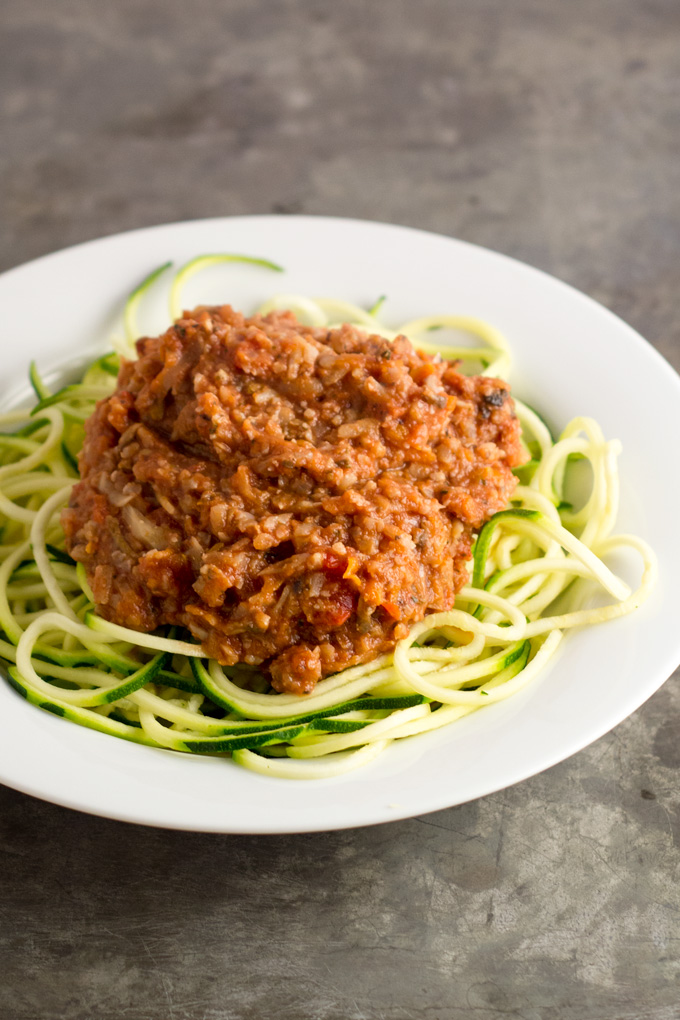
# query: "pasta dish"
{"type": "Point", "coordinates": [296, 537]}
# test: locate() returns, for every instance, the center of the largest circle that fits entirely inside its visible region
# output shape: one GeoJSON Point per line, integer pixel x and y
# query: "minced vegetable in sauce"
{"type": "Point", "coordinates": [296, 497]}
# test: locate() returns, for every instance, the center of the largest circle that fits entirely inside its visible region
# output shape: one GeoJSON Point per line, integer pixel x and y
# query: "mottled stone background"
{"type": "Point", "coordinates": [548, 130]}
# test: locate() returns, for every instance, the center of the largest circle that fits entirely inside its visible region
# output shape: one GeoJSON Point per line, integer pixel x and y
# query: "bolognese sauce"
{"type": "Point", "coordinates": [296, 497]}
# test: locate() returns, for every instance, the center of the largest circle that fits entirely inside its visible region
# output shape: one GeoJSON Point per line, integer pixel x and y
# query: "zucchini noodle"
{"type": "Point", "coordinates": [535, 568]}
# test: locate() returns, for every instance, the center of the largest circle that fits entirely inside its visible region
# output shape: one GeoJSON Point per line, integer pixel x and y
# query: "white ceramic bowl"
{"type": "Point", "coordinates": [571, 357]}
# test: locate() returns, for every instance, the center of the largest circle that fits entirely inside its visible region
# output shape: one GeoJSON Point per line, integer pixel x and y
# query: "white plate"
{"type": "Point", "coordinates": [571, 357]}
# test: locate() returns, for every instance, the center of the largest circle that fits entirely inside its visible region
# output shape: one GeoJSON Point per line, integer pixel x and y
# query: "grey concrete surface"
{"type": "Point", "coordinates": [548, 130]}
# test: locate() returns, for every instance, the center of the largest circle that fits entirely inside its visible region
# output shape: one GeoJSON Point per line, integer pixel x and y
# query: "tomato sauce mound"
{"type": "Point", "coordinates": [296, 497]}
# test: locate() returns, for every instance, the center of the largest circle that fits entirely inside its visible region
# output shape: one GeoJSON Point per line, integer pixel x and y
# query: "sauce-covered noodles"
{"type": "Point", "coordinates": [305, 548]}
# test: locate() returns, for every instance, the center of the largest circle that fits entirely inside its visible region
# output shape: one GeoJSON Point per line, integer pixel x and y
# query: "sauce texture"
{"type": "Point", "coordinates": [296, 497]}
